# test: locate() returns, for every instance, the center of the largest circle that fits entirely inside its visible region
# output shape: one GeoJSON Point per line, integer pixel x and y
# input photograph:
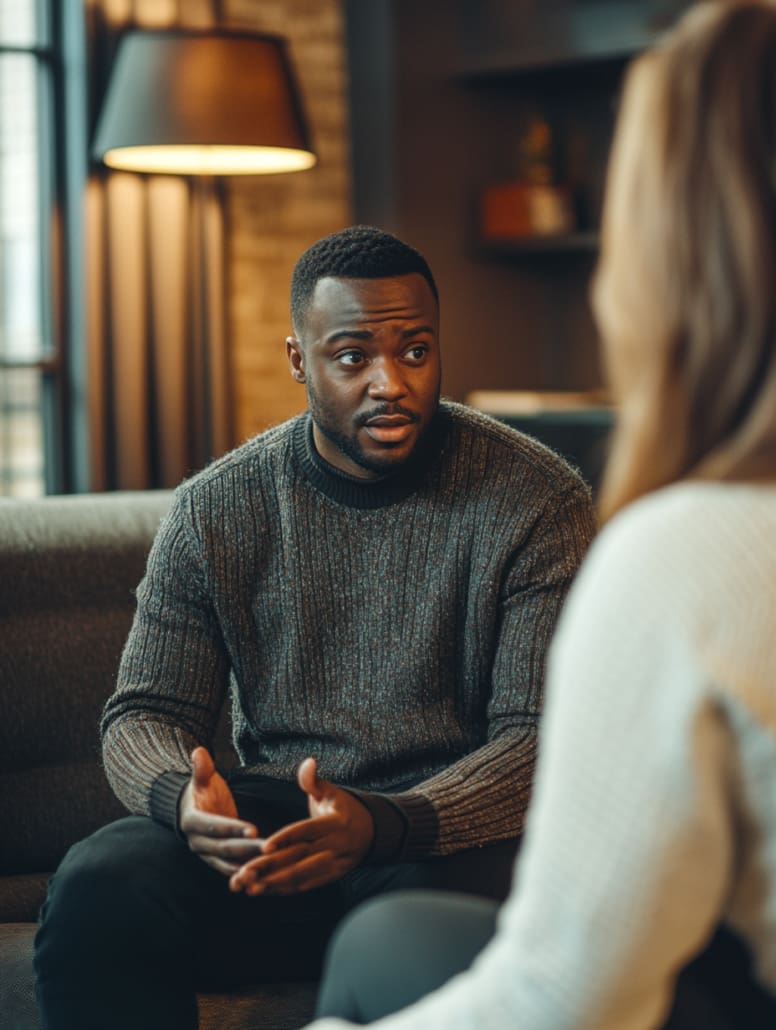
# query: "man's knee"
{"type": "Point", "coordinates": [109, 869]}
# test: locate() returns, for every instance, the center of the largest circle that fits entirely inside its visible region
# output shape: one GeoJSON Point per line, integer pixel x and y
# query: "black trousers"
{"type": "Point", "coordinates": [393, 951]}
{"type": "Point", "coordinates": [135, 923]}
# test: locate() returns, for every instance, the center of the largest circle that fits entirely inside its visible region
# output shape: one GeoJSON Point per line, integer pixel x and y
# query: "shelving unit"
{"type": "Point", "coordinates": [440, 96]}
{"type": "Point", "coordinates": [578, 103]}
{"type": "Point", "coordinates": [584, 243]}
{"type": "Point", "coordinates": [566, 61]}
{"type": "Point", "coordinates": [505, 37]}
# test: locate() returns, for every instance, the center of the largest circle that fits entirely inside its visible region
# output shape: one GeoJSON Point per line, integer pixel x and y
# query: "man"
{"type": "Point", "coordinates": [375, 584]}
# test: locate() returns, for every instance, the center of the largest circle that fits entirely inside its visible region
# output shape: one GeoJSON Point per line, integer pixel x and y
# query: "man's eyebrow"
{"type": "Point", "coordinates": [366, 334]}
{"type": "Point", "coordinates": [416, 330]}
{"type": "Point", "coordinates": [349, 334]}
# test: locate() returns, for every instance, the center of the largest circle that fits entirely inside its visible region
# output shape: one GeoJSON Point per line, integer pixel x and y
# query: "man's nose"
{"type": "Point", "coordinates": [387, 381]}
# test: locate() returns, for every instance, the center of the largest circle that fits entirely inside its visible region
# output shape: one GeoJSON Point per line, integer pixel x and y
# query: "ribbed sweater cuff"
{"type": "Point", "coordinates": [406, 826]}
{"type": "Point", "coordinates": [422, 825]}
{"type": "Point", "coordinates": [390, 827]}
{"type": "Point", "coordinates": [165, 795]}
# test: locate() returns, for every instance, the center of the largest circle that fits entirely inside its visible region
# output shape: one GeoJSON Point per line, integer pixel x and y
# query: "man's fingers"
{"type": "Point", "coordinates": [308, 831]}
{"type": "Point", "coordinates": [210, 824]}
{"type": "Point", "coordinates": [255, 869]}
{"type": "Point", "coordinates": [220, 865]}
{"type": "Point", "coordinates": [311, 872]}
{"type": "Point", "coordinates": [237, 849]}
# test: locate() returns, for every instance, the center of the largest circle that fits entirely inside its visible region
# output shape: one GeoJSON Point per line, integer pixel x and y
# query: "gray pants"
{"type": "Point", "coordinates": [389, 955]}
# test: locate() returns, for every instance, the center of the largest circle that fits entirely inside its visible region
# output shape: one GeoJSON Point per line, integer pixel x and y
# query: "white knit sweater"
{"type": "Point", "coordinates": [654, 816]}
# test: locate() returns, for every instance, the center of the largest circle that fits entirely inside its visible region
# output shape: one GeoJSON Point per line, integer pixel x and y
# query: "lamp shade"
{"type": "Point", "coordinates": [202, 103]}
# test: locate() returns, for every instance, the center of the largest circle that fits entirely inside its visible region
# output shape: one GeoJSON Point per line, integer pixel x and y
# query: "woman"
{"type": "Point", "coordinates": [652, 830]}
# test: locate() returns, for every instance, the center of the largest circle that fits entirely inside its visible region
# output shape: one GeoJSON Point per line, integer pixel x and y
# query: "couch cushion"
{"type": "Point", "coordinates": [282, 1006]}
{"type": "Point", "coordinates": [44, 810]}
{"type": "Point", "coordinates": [21, 897]}
{"type": "Point", "coordinates": [17, 1001]}
{"type": "Point", "coordinates": [68, 569]}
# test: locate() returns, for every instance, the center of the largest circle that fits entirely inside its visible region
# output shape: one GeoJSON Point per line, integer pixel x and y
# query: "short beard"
{"type": "Point", "coordinates": [348, 445]}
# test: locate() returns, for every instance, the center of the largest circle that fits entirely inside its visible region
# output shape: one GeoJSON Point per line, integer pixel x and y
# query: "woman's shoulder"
{"type": "Point", "coordinates": [692, 550]}
{"type": "Point", "coordinates": [690, 521]}
{"type": "Point", "coordinates": [683, 576]}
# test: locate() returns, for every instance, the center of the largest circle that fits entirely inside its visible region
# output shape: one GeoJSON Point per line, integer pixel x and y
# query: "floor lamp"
{"type": "Point", "coordinates": [202, 104]}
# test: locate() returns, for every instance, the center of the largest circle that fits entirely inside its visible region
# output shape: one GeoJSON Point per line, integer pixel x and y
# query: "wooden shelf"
{"type": "Point", "coordinates": [585, 243]}
{"type": "Point", "coordinates": [512, 39]}
{"type": "Point", "coordinates": [496, 70]}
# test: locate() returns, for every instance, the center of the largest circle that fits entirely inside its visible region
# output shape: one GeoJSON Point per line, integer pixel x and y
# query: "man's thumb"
{"type": "Point", "coordinates": [202, 767]}
{"type": "Point", "coordinates": [309, 780]}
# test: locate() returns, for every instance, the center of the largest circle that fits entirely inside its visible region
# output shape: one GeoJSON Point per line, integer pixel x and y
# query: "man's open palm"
{"type": "Point", "coordinates": [315, 851]}
{"type": "Point", "coordinates": [208, 818]}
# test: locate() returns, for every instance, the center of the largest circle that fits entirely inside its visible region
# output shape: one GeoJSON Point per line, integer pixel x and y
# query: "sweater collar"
{"type": "Point", "coordinates": [368, 493]}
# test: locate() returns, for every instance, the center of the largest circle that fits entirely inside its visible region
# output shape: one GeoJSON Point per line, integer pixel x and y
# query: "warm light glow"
{"type": "Point", "coordinates": [202, 103]}
{"type": "Point", "coordinates": [209, 160]}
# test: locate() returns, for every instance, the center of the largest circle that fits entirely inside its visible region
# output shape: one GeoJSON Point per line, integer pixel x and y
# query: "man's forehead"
{"type": "Point", "coordinates": [356, 297]}
{"type": "Point", "coordinates": [341, 303]}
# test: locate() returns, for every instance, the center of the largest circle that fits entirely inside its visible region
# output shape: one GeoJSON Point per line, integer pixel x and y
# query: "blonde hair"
{"type": "Point", "coordinates": [685, 290]}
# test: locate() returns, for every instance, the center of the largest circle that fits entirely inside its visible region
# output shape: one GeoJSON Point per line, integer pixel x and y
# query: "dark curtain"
{"type": "Point", "coordinates": [158, 380]}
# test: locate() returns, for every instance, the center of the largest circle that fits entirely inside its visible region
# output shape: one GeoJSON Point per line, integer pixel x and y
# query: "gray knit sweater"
{"type": "Point", "coordinates": [395, 629]}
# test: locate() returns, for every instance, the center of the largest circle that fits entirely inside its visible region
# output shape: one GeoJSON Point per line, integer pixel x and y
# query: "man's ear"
{"type": "Point", "coordinates": [295, 353]}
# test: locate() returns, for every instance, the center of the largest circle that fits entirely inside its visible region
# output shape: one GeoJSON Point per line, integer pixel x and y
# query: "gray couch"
{"type": "Point", "coordinates": [68, 568]}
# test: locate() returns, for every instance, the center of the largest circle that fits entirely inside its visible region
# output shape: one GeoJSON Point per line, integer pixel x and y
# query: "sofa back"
{"type": "Point", "coordinates": [68, 570]}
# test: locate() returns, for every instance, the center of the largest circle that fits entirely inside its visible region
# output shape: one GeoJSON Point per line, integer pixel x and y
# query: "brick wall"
{"type": "Point", "coordinates": [271, 219]}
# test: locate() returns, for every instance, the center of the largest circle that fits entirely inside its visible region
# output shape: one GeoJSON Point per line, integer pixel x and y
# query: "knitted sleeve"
{"type": "Point", "coordinates": [172, 680]}
{"type": "Point", "coordinates": [483, 797]}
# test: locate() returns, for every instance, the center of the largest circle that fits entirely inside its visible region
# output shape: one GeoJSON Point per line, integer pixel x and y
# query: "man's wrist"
{"type": "Point", "coordinates": [166, 794]}
{"type": "Point", "coordinates": [389, 825]}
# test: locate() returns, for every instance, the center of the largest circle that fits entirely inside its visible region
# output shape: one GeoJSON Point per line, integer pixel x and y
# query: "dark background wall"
{"type": "Point", "coordinates": [441, 92]}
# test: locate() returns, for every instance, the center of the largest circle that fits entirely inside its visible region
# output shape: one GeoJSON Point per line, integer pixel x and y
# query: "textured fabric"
{"type": "Point", "coordinates": [68, 566]}
{"type": "Point", "coordinates": [653, 816]}
{"type": "Point", "coordinates": [270, 1007]}
{"type": "Point", "coordinates": [21, 897]}
{"type": "Point", "coordinates": [18, 1010]}
{"type": "Point", "coordinates": [396, 630]}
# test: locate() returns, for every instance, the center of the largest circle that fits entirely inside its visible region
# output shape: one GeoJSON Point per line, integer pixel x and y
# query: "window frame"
{"type": "Point", "coordinates": [62, 147]}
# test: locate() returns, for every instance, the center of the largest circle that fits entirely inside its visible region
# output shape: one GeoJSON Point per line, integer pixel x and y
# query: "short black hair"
{"type": "Point", "coordinates": [358, 252]}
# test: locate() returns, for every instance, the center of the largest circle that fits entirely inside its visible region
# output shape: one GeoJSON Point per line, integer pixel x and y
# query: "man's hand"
{"type": "Point", "coordinates": [207, 815]}
{"type": "Point", "coordinates": [317, 850]}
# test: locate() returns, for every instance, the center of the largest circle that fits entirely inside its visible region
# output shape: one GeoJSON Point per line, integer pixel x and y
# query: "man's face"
{"type": "Point", "coordinates": [369, 357]}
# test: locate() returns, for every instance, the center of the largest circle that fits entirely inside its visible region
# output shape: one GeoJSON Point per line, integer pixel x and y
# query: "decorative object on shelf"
{"type": "Point", "coordinates": [534, 204]}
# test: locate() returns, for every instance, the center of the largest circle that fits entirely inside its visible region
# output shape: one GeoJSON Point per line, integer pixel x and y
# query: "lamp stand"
{"type": "Point", "coordinates": [209, 379]}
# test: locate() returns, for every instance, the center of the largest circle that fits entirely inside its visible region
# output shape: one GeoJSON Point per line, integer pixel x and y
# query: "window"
{"type": "Point", "coordinates": [40, 185]}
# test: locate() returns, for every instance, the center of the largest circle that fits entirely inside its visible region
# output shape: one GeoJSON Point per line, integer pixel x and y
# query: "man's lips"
{"type": "Point", "coordinates": [389, 429]}
{"type": "Point", "coordinates": [388, 420]}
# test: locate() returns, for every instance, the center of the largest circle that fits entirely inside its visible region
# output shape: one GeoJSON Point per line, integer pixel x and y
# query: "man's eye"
{"type": "Point", "coordinates": [417, 353]}
{"type": "Point", "coordinates": [350, 357]}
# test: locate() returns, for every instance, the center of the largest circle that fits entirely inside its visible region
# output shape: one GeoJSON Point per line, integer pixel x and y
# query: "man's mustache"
{"type": "Point", "coordinates": [386, 409]}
